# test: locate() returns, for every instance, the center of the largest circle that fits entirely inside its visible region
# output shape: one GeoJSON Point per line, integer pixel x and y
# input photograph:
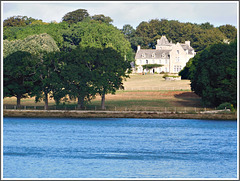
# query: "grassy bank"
{"type": "Point", "coordinates": [115, 114]}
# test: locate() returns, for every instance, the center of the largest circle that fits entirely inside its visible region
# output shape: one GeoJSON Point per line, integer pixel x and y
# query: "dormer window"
{"type": "Point", "coordinates": [153, 55]}
{"type": "Point", "coordinates": [143, 55]}
{"type": "Point", "coordinates": [163, 55]}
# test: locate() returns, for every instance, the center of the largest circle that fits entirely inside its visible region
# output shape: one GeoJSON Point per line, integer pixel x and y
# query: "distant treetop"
{"type": "Point", "coordinates": [75, 16]}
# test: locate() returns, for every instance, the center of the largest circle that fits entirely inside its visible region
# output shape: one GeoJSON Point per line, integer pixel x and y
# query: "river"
{"type": "Point", "coordinates": [119, 148]}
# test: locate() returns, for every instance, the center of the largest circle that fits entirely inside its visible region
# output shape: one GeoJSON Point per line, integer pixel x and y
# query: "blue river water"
{"type": "Point", "coordinates": [119, 148]}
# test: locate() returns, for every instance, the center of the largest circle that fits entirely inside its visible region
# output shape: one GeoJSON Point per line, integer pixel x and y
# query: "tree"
{"type": "Point", "coordinates": [128, 31]}
{"type": "Point", "coordinates": [213, 74]}
{"type": "Point", "coordinates": [229, 31]}
{"type": "Point", "coordinates": [19, 21]}
{"type": "Point", "coordinates": [77, 74]}
{"type": "Point", "coordinates": [19, 70]}
{"type": "Point", "coordinates": [111, 68]}
{"type": "Point", "coordinates": [185, 72]}
{"type": "Point", "coordinates": [37, 46]}
{"type": "Point", "coordinates": [52, 29]}
{"type": "Point", "coordinates": [99, 36]}
{"type": "Point", "coordinates": [102, 19]}
{"type": "Point", "coordinates": [48, 76]}
{"type": "Point", "coordinates": [206, 25]}
{"type": "Point", "coordinates": [75, 16]}
{"type": "Point", "coordinates": [33, 44]}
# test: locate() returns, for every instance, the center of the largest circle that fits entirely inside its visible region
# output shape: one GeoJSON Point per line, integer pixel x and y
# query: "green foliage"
{"type": "Point", "coordinates": [150, 66]}
{"type": "Point", "coordinates": [165, 75]}
{"type": "Point", "coordinates": [19, 70]}
{"type": "Point", "coordinates": [206, 26]}
{"type": "Point", "coordinates": [20, 33]}
{"type": "Point", "coordinates": [185, 72]}
{"type": "Point", "coordinates": [17, 59]}
{"type": "Point", "coordinates": [226, 105]}
{"type": "Point", "coordinates": [33, 44]}
{"type": "Point", "coordinates": [102, 19]}
{"type": "Point", "coordinates": [229, 31]}
{"type": "Point", "coordinates": [213, 74]}
{"type": "Point", "coordinates": [200, 35]}
{"type": "Point", "coordinates": [97, 35]}
{"type": "Point", "coordinates": [20, 21]}
{"type": "Point", "coordinates": [75, 16]}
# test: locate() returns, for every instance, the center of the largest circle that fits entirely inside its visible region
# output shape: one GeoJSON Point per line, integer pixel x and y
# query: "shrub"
{"type": "Point", "coordinates": [165, 75]}
{"type": "Point", "coordinates": [226, 105]}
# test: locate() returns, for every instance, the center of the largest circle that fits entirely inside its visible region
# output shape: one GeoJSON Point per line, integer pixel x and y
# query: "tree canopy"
{"type": "Point", "coordinates": [213, 74]}
{"type": "Point", "coordinates": [22, 59]}
{"type": "Point", "coordinates": [16, 21]}
{"type": "Point", "coordinates": [75, 16]}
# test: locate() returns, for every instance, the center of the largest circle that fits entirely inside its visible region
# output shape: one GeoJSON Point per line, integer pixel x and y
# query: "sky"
{"type": "Point", "coordinates": [129, 12]}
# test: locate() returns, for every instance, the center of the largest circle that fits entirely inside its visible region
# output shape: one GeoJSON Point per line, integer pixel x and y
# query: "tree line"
{"type": "Point", "coordinates": [54, 49]}
{"type": "Point", "coordinates": [77, 61]}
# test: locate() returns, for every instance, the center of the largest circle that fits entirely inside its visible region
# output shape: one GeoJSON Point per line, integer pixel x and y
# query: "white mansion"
{"type": "Point", "coordinates": [173, 57]}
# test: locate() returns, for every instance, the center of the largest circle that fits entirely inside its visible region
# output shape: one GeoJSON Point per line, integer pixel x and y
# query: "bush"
{"type": "Point", "coordinates": [165, 75]}
{"type": "Point", "coordinates": [226, 105]}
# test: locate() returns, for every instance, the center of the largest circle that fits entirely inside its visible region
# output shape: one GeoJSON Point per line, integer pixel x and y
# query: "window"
{"type": "Point", "coordinates": [140, 61]}
{"type": "Point", "coordinates": [153, 61]}
{"type": "Point", "coordinates": [177, 68]}
{"type": "Point", "coordinates": [177, 59]}
{"type": "Point", "coordinates": [166, 61]}
{"type": "Point", "coordinates": [146, 61]}
{"type": "Point", "coordinates": [153, 55]}
{"type": "Point", "coordinates": [143, 55]}
{"type": "Point", "coordinates": [163, 55]}
{"type": "Point", "coordinates": [177, 51]}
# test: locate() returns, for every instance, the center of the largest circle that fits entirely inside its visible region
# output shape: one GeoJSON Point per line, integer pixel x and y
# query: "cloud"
{"type": "Point", "coordinates": [133, 13]}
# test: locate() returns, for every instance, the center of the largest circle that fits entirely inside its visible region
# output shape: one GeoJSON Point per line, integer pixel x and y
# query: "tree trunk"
{"type": "Point", "coordinates": [103, 101]}
{"type": "Point", "coordinates": [81, 102]}
{"type": "Point", "coordinates": [46, 101]}
{"type": "Point", "coordinates": [18, 101]}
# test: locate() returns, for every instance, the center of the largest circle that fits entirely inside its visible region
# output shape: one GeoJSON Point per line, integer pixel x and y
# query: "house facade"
{"type": "Point", "coordinates": [172, 57]}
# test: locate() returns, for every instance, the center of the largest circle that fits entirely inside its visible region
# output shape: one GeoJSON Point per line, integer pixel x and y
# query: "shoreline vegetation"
{"type": "Point", "coordinates": [144, 96]}
{"type": "Point", "coordinates": [117, 114]}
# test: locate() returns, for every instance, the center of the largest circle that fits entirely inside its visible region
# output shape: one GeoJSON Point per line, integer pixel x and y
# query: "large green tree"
{"type": "Point", "coordinates": [99, 36]}
{"type": "Point", "coordinates": [213, 74]}
{"type": "Point", "coordinates": [111, 68]}
{"type": "Point", "coordinates": [77, 74]}
{"type": "Point", "coordinates": [75, 16]}
{"type": "Point", "coordinates": [19, 71]}
{"type": "Point", "coordinates": [37, 46]}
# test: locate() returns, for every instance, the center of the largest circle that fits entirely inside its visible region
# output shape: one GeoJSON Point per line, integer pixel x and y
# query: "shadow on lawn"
{"type": "Point", "coordinates": [188, 99]}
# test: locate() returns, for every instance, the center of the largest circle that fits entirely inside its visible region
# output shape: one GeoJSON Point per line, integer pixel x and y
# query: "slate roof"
{"type": "Point", "coordinates": [163, 41]}
{"type": "Point", "coordinates": [149, 52]}
{"type": "Point", "coordinates": [187, 47]}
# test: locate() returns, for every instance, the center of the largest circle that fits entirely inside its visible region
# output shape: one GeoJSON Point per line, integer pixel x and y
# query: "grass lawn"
{"type": "Point", "coordinates": [142, 92]}
{"type": "Point", "coordinates": [154, 82]}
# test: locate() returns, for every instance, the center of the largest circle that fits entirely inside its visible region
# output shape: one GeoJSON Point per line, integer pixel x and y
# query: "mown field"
{"type": "Point", "coordinates": [142, 92]}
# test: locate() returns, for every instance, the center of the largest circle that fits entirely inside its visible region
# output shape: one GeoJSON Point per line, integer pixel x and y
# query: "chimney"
{"type": "Point", "coordinates": [187, 43]}
{"type": "Point", "coordinates": [138, 48]}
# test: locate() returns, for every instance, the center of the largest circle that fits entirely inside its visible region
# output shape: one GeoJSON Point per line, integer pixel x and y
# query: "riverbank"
{"type": "Point", "coordinates": [116, 114]}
